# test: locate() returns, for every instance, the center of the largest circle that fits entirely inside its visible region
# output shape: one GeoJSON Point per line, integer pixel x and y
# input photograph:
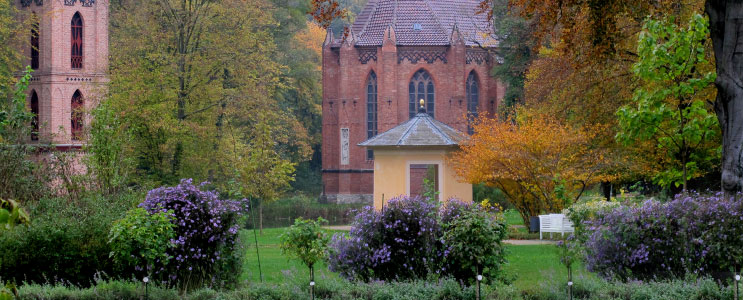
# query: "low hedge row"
{"type": "Point", "coordinates": [584, 288]}
{"type": "Point", "coordinates": [328, 289]}
{"type": "Point", "coordinates": [597, 288]}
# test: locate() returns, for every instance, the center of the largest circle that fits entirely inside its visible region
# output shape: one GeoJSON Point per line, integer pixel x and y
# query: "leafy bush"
{"type": "Point", "coordinates": [586, 211]}
{"type": "Point", "coordinates": [65, 242]}
{"type": "Point", "coordinates": [11, 214]}
{"type": "Point", "coordinates": [206, 232]}
{"type": "Point", "coordinates": [140, 240]}
{"type": "Point", "coordinates": [306, 241]}
{"type": "Point", "coordinates": [400, 242]}
{"type": "Point", "coordinates": [473, 246]}
{"type": "Point", "coordinates": [691, 234]}
{"type": "Point", "coordinates": [408, 240]}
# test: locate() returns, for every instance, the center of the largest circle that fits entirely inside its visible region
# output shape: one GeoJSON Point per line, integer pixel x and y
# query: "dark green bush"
{"type": "Point", "coordinates": [67, 241]}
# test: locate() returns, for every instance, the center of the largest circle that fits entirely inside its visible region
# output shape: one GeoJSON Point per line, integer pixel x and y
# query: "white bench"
{"type": "Point", "coordinates": [554, 223]}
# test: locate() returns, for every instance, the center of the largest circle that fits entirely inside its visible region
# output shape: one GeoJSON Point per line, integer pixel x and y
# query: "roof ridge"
{"type": "Point", "coordinates": [435, 16]}
{"type": "Point", "coordinates": [408, 130]}
{"type": "Point", "coordinates": [371, 14]}
{"type": "Point", "coordinates": [441, 133]}
{"type": "Point", "coordinates": [394, 16]}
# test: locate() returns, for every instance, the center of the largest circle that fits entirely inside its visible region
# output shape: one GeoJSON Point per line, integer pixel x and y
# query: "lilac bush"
{"type": "Point", "coordinates": [206, 235]}
{"type": "Point", "coordinates": [692, 234]}
{"type": "Point", "coordinates": [405, 240]}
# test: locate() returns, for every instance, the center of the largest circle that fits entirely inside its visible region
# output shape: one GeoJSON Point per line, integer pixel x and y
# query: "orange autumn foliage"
{"type": "Point", "coordinates": [312, 38]}
{"type": "Point", "coordinates": [540, 164]}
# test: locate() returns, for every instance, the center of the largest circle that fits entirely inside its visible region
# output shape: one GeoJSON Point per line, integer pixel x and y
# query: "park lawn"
{"type": "Point", "coordinates": [529, 264]}
{"type": "Point", "coordinates": [533, 264]}
{"type": "Point", "coordinates": [513, 217]}
{"type": "Point", "coordinates": [275, 266]}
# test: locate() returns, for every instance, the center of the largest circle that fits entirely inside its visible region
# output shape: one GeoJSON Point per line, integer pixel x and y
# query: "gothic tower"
{"type": "Point", "coordinates": [68, 50]}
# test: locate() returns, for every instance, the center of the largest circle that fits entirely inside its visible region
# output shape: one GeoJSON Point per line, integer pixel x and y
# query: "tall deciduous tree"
{"type": "Point", "coordinates": [182, 69]}
{"type": "Point", "coordinates": [261, 169]}
{"type": "Point", "coordinates": [516, 47]}
{"type": "Point", "coordinates": [726, 31]}
{"type": "Point", "coordinates": [606, 23]}
{"type": "Point", "coordinates": [14, 32]}
{"type": "Point", "coordinates": [669, 106]}
{"type": "Point", "coordinates": [540, 164]}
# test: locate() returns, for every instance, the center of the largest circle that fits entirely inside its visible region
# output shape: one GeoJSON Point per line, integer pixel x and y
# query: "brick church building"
{"type": "Point", "coordinates": [398, 52]}
{"type": "Point", "coordinates": [68, 52]}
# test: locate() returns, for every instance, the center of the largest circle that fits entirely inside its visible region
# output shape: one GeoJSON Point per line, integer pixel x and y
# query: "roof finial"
{"type": "Point", "coordinates": [422, 108]}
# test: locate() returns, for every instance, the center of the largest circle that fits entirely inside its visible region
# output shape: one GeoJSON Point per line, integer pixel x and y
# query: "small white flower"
{"type": "Point", "coordinates": [312, 283]}
{"type": "Point", "coordinates": [570, 283]}
{"type": "Point", "coordinates": [479, 277]}
{"type": "Point", "coordinates": [145, 280]}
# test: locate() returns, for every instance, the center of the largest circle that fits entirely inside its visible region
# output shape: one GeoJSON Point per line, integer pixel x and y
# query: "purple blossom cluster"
{"type": "Point", "coordinates": [401, 241]}
{"type": "Point", "coordinates": [692, 234]}
{"type": "Point", "coordinates": [206, 232]}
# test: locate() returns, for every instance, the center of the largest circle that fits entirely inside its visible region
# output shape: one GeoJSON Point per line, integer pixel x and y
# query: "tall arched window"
{"type": "Point", "coordinates": [473, 94]}
{"type": "Point", "coordinates": [421, 87]}
{"type": "Point", "coordinates": [371, 110]}
{"type": "Point", "coordinates": [35, 43]}
{"type": "Point", "coordinates": [35, 118]}
{"type": "Point", "coordinates": [76, 116]}
{"type": "Point", "coordinates": [77, 41]}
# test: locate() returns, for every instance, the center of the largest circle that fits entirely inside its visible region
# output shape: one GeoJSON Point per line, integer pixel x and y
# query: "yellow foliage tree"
{"type": "Point", "coordinates": [540, 164]}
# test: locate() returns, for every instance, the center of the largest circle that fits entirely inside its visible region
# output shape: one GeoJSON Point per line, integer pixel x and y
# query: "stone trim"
{"type": "Point", "coordinates": [367, 54]}
{"type": "Point", "coordinates": [429, 55]}
{"type": "Point", "coordinates": [477, 56]}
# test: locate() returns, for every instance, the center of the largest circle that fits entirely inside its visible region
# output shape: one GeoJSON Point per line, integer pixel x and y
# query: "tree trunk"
{"type": "Point", "coordinates": [726, 31]}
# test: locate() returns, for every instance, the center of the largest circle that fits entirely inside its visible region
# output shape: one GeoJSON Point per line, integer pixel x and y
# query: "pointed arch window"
{"type": "Point", "coordinates": [473, 100]}
{"type": "Point", "coordinates": [76, 116]}
{"type": "Point", "coordinates": [76, 41]}
{"type": "Point", "coordinates": [421, 87]}
{"type": "Point", "coordinates": [35, 118]}
{"type": "Point", "coordinates": [35, 43]}
{"type": "Point", "coordinates": [371, 111]}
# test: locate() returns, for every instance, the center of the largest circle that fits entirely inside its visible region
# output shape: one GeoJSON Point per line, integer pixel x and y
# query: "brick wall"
{"type": "Point", "coordinates": [344, 102]}
{"type": "Point", "coordinates": [55, 81]}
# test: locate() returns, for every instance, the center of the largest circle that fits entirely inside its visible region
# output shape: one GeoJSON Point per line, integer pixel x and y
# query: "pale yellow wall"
{"type": "Point", "coordinates": [391, 171]}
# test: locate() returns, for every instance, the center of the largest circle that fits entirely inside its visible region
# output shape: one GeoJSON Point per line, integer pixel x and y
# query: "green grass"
{"type": "Point", "coordinates": [529, 264]}
{"type": "Point", "coordinates": [513, 217]}
{"type": "Point", "coordinates": [275, 266]}
{"type": "Point", "coordinates": [533, 264]}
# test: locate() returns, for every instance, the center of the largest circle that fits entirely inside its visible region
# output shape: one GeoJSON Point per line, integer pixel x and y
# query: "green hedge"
{"type": "Point", "coordinates": [596, 288]}
{"type": "Point", "coordinates": [340, 290]}
{"type": "Point", "coordinates": [66, 241]}
{"type": "Point", "coordinates": [585, 288]}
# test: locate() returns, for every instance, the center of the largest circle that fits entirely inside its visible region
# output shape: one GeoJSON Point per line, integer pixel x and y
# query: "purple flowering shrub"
{"type": "Point", "coordinates": [692, 234]}
{"type": "Point", "coordinates": [206, 235]}
{"type": "Point", "coordinates": [403, 241]}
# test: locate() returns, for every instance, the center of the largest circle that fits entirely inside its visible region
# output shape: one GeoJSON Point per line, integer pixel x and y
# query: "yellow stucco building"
{"type": "Point", "coordinates": [410, 159]}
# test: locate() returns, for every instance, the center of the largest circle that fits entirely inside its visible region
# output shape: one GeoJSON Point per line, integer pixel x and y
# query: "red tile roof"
{"type": "Point", "coordinates": [437, 19]}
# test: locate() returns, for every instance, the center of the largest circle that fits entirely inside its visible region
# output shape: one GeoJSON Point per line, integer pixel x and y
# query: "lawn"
{"type": "Point", "coordinates": [513, 217]}
{"type": "Point", "coordinates": [528, 264]}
